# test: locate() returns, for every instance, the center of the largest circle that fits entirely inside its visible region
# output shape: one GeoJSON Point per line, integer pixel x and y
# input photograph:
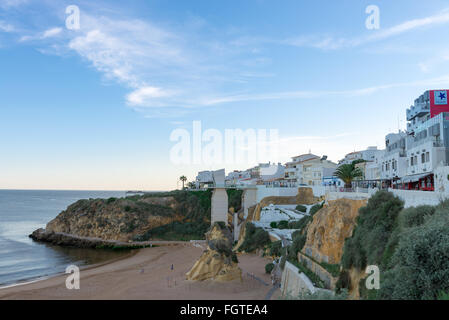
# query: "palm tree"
{"type": "Point", "coordinates": [347, 173]}
{"type": "Point", "coordinates": [183, 179]}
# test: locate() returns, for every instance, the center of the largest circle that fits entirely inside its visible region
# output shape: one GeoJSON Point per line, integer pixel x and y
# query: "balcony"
{"type": "Point", "coordinates": [418, 110]}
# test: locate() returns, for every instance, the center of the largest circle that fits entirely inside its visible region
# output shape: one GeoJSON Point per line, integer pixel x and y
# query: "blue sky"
{"type": "Point", "coordinates": [94, 108]}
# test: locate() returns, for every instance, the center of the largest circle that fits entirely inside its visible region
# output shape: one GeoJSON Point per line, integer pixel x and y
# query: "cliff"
{"type": "Point", "coordinates": [217, 262]}
{"type": "Point", "coordinates": [329, 228]}
{"type": "Point", "coordinates": [135, 218]}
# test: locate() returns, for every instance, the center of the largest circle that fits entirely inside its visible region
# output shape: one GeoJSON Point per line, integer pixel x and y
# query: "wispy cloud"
{"type": "Point", "coordinates": [46, 34]}
{"type": "Point", "coordinates": [442, 81]}
{"type": "Point", "coordinates": [175, 71]}
{"type": "Point", "coordinates": [6, 4]}
{"type": "Point", "coordinates": [329, 42]}
{"type": "Point", "coordinates": [6, 27]}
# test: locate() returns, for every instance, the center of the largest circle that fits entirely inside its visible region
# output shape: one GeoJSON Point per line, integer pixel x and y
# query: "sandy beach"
{"type": "Point", "coordinates": [148, 275]}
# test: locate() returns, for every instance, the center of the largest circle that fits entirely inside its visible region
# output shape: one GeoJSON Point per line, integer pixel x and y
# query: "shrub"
{"type": "Point", "coordinates": [276, 249]}
{"type": "Point", "coordinates": [269, 267]}
{"type": "Point", "coordinates": [255, 238]}
{"type": "Point", "coordinates": [298, 242]}
{"type": "Point", "coordinates": [375, 224]}
{"type": "Point", "coordinates": [415, 216]}
{"type": "Point", "coordinates": [300, 224]}
{"type": "Point", "coordinates": [273, 224]}
{"type": "Point", "coordinates": [301, 208]}
{"type": "Point", "coordinates": [111, 200]}
{"type": "Point", "coordinates": [420, 261]}
{"type": "Point", "coordinates": [443, 295]}
{"type": "Point", "coordinates": [282, 224]}
{"type": "Point", "coordinates": [343, 282]}
{"type": "Point", "coordinates": [315, 208]}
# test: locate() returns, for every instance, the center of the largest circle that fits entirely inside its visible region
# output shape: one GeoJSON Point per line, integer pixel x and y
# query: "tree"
{"type": "Point", "coordinates": [347, 173]}
{"type": "Point", "coordinates": [183, 179]}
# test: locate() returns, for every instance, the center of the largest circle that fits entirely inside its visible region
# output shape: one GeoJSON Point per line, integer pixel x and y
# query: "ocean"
{"type": "Point", "coordinates": [22, 212]}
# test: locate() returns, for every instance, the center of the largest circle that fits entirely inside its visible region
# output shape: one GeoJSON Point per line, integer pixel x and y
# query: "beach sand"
{"type": "Point", "coordinates": [148, 275]}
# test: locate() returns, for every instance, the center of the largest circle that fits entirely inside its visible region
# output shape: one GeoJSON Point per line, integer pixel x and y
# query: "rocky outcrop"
{"type": "Point", "coordinates": [68, 240]}
{"type": "Point", "coordinates": [115, 219]}
{"type": "Point", "coordinates": [305, 196]}
{"type": "Point", "coordinates": [134, 218]}
{"type": "Point", "coordinates": [330, 227]}
{"type": "Point", "coordinates": [218, 261]}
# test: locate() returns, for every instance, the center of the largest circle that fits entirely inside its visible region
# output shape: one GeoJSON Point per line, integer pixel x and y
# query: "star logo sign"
{"type": "Point", "coordinates": [440, 97]}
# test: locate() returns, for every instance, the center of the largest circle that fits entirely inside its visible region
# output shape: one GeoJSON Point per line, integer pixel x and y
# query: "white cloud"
{"type": "Point", "coordinates": [6, 4]}
{"type": "Point", "coordinates": [51, 33]}
{"type": "Point", "coordinates": [6, 27]}
{"type": "Point", "coordinates": [144, 96]}
{"type": "Point", "coordinates": [443, 81]}
{"type": "Point", "coordinates": [332, 43]}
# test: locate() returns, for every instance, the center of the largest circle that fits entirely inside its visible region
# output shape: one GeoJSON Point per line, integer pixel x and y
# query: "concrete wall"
{"type": "Point", "coordinates": [322, 273]}
{"type": "Point", "coordinates": [293, 282]}
{"type": "Point", "coordinates": [414, 198]}
{"type": "Point", "coordinates": [249, 199]}
{"type": "Point", "coordinates": [219, 209]}
{"type": "Point", "coordinates": [263, 192]}
{"type": "Point", "coordinates": [318, 191]}
{"type": "Point", "coordinates": [348, 195]}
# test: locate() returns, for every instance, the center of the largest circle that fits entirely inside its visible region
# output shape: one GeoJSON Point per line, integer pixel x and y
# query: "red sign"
{"type": "Point", "coordinates": [438, 102]}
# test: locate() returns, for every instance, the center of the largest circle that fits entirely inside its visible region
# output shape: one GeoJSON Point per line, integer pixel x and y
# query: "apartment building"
{"type": "Point", "coordinates": [313, 172]}
{"type": "Point", "coordinates": [294, 167]}
{"type": "Point", "coordinates": [368, 155]}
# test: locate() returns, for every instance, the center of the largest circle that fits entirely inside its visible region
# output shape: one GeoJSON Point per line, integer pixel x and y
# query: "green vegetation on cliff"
{"type": "Point", "coordinates": [255, 238]}
{"type": "Point", "coordinates": [194, 207]}
{"type": "Point", "coordinates": [410, 247]}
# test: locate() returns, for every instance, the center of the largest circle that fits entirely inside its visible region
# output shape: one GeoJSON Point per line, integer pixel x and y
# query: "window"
{"type": "Point", "coordinates": [427, 156]}
{"type": "Point", "coordinates": [416, 160]}
{"type": "Point", "coordinates": [423, 158]}
{"type": "Point", "coordinates": [411, 161]}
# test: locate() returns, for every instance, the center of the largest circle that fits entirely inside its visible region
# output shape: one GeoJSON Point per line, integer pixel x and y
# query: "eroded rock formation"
{"type": "Point", "coordinates": [330, 227]}
{"type": "Point", "coordinates": [218, 261]}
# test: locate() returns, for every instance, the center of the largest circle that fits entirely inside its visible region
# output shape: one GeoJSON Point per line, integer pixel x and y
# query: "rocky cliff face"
{"type": "Point", "coordinates": [118, 219]}
{"type": "Point", "coordinates": [330, 227]}
{"type": "Point", "coordinates": [217, 262]}
{"type": "Point", "coordinates": [305, 196]}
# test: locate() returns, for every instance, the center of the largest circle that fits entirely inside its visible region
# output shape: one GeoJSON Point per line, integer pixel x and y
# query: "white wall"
{"type": "Point", "coordinates": [293, 282]}
{"type": "Point", "coordinates": [219, 206]}
{"type": "Point", "coordinates": [414, 198]}
{"type": "Point", "coordinates": [263, 192]}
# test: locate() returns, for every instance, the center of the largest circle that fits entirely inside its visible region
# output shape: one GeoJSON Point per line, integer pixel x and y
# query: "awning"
{"type": "Point", "coordinates": [414, 178]}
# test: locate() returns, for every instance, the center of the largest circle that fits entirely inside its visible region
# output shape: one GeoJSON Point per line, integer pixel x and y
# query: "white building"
{"type": "Point", "coordinates": [394, 159]}
{"type": "Point", "coordinates": [427, 149]}
{"type": "Point", "coordinates": [368, 155]}
{"type": "Point", "coordinates": [293, 169]}
{"type": "Point", "coordinates": [203, 179]}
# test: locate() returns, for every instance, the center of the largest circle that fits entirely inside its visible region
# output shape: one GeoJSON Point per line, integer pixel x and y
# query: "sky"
{"type": "Point", "coordinates": [95, 107]}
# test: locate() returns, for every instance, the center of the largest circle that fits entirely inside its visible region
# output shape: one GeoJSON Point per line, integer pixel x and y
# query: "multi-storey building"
{"type": "Point", "coordinates": [293, 169]}
{"type": "Point", "coordinates": [312, 172]}
{"type": "Point", "coordinates": [394, 159]}
{"type": "Point", "coordinates": [203, 179]}
{"type": "Point", "coordinates": [367, 155]}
